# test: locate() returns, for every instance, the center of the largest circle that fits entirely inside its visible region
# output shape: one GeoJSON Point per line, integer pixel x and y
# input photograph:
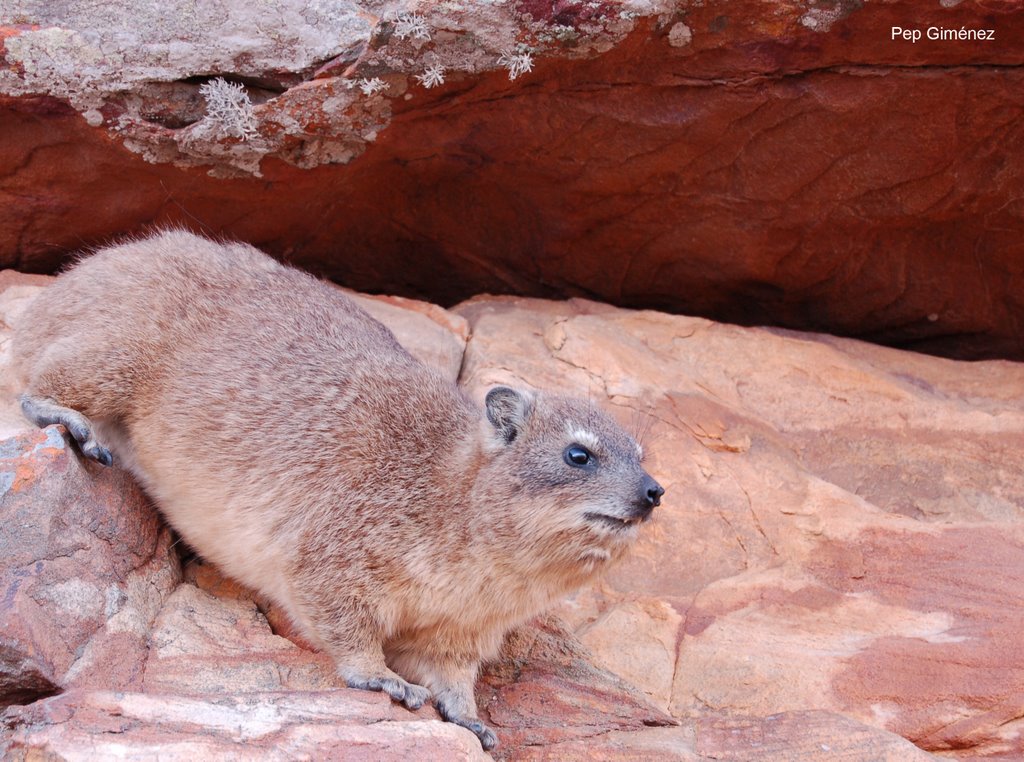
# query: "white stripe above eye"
{"type": "Point", "coordinates": [586, 438]}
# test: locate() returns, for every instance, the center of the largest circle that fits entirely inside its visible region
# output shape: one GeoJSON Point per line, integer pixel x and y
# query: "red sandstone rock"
{"type": "Point", "coordinates": [785, 163]}
{"type": "Point", "coordinates": [201, 645]}
{"type": "Point", "coordinates": [951, 690]}
{"type": "Point", "coordinates": [545, 689]}
{"type": "Point", "coordinates": [787, 737]}
{"type": "Point", "coordinates": [843, 527]}
{"type": "Point", "coordinates": [803, 736]}
{"type": "Point", "coordinates": [208, 579]}
{"type": "Point", "coordinates": [86, 566]}
{"type": "Point", "coordinates": [837, 560]}
{"type": "Point", "coordinates": [350, 725]}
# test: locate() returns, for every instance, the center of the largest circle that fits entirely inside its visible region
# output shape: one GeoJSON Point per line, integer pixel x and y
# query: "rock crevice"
{"type": "Point", "coordinates": [790, 164]}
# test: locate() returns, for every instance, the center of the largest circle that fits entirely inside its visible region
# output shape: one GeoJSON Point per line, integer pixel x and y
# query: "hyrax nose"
{"type": "Point", "coordinates": [654, 492]}
{"type": "Point", "coordinates": [650, 494]}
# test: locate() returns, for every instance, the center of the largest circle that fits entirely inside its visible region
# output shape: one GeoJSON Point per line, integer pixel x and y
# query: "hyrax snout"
{"type": "Point", "coordinates": [290, 439]}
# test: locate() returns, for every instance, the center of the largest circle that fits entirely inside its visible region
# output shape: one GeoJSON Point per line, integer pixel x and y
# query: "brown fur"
{"type": "Point", "coordinates": [290, 439]}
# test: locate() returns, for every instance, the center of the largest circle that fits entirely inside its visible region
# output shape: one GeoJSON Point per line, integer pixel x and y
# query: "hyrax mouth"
{"type": "Point", "coordinates": [613, 522]}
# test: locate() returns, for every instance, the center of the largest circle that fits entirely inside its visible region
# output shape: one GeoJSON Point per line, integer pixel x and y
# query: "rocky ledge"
{"type": "Point", "coordinates": [798, 163]}
{"type": "Point", "coordinates": [837, 571]}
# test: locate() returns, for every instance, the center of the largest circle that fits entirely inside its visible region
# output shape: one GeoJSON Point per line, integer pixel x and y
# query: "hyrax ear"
{"type": "Point", "coordinates": [508, 411]}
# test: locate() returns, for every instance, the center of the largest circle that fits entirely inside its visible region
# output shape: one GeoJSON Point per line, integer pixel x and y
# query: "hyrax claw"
{"type": "Point", "coordinates": [99, 453]}
{"type": "Point", "coordinates": [405, 693]}
{"type": "Point", "coordinates": [487, 737]}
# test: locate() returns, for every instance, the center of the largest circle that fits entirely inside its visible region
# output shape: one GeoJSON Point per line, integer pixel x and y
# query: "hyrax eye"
{"type": "Point", "coordinates": [578, 455]}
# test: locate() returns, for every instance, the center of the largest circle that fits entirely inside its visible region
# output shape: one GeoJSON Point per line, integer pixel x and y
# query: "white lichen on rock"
{"type": "Point", "coordinates": [120, 62]}
{"type": "Point", "coordinates": [229, 109]}
{"type": "Point", "coordinates": [372, 85]}
{"type": "Point", "coordinates": [432, 76]}
{"type": "Point", "coordinates": [821, 19]}
{"type": "Point", "coordinates": [517, 62]}
{"type": "Point", "coordinates": [411, 25]}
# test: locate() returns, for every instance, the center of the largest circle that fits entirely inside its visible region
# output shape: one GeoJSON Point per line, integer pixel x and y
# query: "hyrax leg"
{"type": "Point", "coordinates": [43, 411]}
{"type": "Point", "coordinates": [453, 697]}
{"type": "Point", "coordinates": [451, 680]}
{"type": "Point", "coordinates": [353, 642]}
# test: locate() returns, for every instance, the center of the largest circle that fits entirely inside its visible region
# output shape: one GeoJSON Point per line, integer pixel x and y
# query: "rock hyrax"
{"type": "Point", "coordinates": [290, 439]}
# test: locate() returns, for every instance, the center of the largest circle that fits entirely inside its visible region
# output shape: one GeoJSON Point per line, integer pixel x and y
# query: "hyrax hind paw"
{"type": "Point", "coordinates": [487, 737]}
{"type": "Point", "coordinates": [43, 411]}
{"type": "Point", "coordinates": [99, 453]}
{"type": "Point", "coordinates": [412, 696]}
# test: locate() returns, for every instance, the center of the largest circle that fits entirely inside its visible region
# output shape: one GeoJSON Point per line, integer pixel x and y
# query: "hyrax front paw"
{"type": "Point", "coordinates": [487, 737]}
{"type": "Point", "coordinates": [412, 696]}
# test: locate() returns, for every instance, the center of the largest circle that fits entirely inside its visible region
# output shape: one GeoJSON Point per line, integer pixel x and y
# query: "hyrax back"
{"type": "Point", "coordinates": [290, 439]}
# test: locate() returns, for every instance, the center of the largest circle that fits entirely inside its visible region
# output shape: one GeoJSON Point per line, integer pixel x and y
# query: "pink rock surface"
{"type": "Point", "coordinates": [843, 527]}
{"type": "Point", "coordinates": [835, 572]}
{"type": "Point", "coordinates": [213, 638]}
{"type": "Point", "coordinates": [86, 566]}
{"type": "Point", "coordinates": [812, 736]}
{"type": "Point", "coordinates": [351, 725]}
{"type": "Point", "coordinates": [544, 689]}
{"type": "Point", "coordinates": [807, 735]}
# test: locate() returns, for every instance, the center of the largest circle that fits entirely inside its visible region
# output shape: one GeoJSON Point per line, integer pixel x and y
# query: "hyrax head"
{"type": "Point", "coordinates": [572, 472]}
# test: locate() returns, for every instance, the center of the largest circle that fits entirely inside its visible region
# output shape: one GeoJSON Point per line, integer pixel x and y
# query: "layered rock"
{"type": "Point", "coordinates": [844, 523]}
{"type": "Point", "coordinates": [272, 726]}
{"type": "Point", "coordinates": [86, 568]}
{"type": "Point", "coordinates": [835, 572]}
{"type": "Point", "coordinates": [786, 163]}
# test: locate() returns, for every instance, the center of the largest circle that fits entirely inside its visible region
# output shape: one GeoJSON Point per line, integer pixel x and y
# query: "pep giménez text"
{"type": "Point", "coordinates": [941, 33]}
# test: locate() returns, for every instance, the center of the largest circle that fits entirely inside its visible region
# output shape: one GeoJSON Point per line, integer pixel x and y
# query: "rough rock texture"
{"type": "Point", "coordinates": [85, 568]}
{"type": "Point", "coordinates": [98, 725]}
{"type": "Point", "coordinates": [788, 737]}
{"type": "Point", "coordinates": [837, 571]}
{"type": "Point", "coordinates": [844, 523]}
{"type": "Point", "coordinates": [785, 163]}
